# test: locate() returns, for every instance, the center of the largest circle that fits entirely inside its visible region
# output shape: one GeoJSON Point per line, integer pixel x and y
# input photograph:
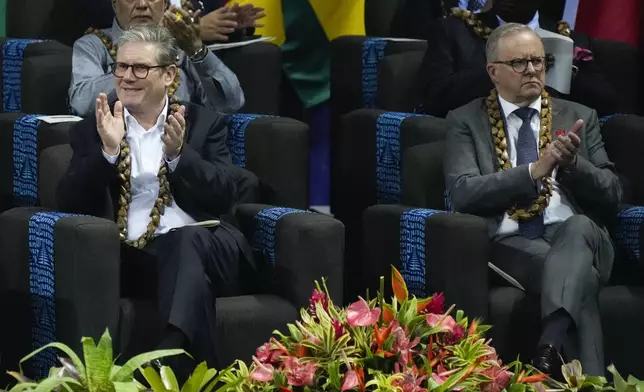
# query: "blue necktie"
{"type": "Point", "coordinates": [528, 152]}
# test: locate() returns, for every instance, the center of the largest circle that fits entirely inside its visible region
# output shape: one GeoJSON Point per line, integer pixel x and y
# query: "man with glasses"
{"type": "Point", "coordinates": [453, 71]}
{"type": "Point", "coordinates": [203, 78]}
{"type": "Point", "coordinates": [535, 167]}
{"type": "Point", "coordinates": [166, 169]}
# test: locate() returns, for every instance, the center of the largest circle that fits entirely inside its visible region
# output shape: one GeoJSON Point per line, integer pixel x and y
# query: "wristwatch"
{"type": "Point", "coordinates": [200, 55]}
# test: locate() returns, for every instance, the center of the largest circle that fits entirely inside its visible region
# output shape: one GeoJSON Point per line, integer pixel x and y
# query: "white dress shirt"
{"type": "Point", "coordinates": [533, 24]}
{"type": "Point", "coordinates": [559, 209]}
{"type": "Point", "coordinates": [146, 155]}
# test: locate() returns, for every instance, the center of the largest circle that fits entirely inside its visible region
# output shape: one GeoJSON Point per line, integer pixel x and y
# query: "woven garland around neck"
{"type": "Point", "coordinates": [484, 31]}
{"type": "Point", "coordinates": [124, 167]}
{"type": "Point", "coordinates": [497, 123]}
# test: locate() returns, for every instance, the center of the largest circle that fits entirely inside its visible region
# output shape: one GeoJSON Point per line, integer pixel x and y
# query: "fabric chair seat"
{"type": "Point", "coordinates": [243, 324]}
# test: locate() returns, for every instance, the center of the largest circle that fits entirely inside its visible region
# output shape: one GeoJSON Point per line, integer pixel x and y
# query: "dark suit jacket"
{"type": "Point", "coordinates": [475, 186]}
{"type": "Point", "coordinates": [454, 74]}
{"type": "Point", "coordinates": [203, 183]}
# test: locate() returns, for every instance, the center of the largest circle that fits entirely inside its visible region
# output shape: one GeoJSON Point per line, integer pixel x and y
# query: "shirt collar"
{"type": "Point", "coordinates": [509, 107]}
{"type": "Point", "coordinates": [533, 24]}
{"type": "Point", "coordinates": [160, 120]}
{"type": "Point", "coordinates": [117, 31]}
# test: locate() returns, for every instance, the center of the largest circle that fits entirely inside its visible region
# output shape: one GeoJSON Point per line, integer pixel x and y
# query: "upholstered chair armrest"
{"type": "Point", "coordinates": [275, 149]}
{"type": "Point", "coordinates": [628, 235]}
{"type": "Point", "coordinates": [399, 86]}
{"type": "Point", "coordinates": [59, 281]}
{"type": "Point", "coordinates": [436, 251]}
{"type": "Point", "coordinates": [298, 246]}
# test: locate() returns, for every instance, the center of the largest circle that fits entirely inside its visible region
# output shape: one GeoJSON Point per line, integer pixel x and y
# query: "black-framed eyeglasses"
{"type": "Point", "coordinates": [140, 71]}
{"type": "Point", "coordinates": [520, 65]}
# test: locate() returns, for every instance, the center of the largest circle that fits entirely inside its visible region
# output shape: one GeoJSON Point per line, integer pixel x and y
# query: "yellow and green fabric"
{"type": "Point", "coordinates": [303, 29]}
{"type": "Point", "coordinates": [3, 18]}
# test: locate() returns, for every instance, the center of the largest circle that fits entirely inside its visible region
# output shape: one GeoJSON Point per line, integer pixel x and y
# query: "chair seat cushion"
{"type": "Point", "coordinates": [243, 324]}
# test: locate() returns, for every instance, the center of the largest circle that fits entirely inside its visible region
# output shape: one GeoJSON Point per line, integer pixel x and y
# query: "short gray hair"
{"type": "Point", "coordinates": [168, 50]}
{"type": "Point", "coordinates": [501, 32]}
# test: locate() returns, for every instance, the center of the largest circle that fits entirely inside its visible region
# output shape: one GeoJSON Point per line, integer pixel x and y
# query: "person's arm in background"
{"type": "Point", "coordinates": [90, 75]}
{"type": "Point", "coordinates": [220, 22]}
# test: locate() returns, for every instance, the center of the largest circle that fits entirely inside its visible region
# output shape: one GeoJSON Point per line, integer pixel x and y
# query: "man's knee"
{"type": "Point", "coordinates": [580, 226]}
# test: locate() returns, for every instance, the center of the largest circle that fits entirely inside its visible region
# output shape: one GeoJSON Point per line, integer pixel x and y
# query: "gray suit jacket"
{"type": "Point", "coordinates": [476, 187]}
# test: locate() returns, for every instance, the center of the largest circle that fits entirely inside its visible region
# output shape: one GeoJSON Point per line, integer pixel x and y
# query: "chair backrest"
{"type": "Point", "coordinates": [259, 70]}
{"type": "Point", "coordinates": [53, 164]}
{"type": "Point", "coordinates": [423, 183]}
{"type": "Point", "coordinates": [378, 16]}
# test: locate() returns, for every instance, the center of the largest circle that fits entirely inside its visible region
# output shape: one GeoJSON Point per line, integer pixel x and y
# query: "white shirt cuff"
{"type": "Point", "coordinates": [112, 158]}
{"type": "Point", "coordinates": [172, 165]}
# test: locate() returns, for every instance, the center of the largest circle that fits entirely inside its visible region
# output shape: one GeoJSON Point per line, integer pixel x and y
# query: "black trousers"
{"type": "Point", "coordinates": [183, 272]}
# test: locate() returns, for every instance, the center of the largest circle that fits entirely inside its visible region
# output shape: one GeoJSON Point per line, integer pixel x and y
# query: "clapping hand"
{"type": "Point", "coordinates": [248, 15]}
{"type": "Point", "coordinates": [565, 147]}
{"type": "Point", "coordinates": [111, 127]}
{"type": "Point", "coordinates": [216, 25]}
{"type": "Point", "coordinates": [185, 28]}
{"type": "Point", "coordinates": [174, 131]}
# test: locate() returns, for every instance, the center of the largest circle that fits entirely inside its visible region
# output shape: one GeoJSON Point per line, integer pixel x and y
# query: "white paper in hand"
{"type": "Point", "coordinates": [505, 276]}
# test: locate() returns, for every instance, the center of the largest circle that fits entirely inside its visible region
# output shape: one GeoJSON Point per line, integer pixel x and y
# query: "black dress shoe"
{"type": "Point", "coordinates": [547, 360]}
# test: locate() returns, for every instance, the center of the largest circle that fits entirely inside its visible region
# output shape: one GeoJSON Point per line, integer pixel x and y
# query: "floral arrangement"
{"type": "Point", "coordinates": [407, 345]}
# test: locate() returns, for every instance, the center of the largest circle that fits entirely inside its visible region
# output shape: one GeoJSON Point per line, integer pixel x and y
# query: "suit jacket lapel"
{"type": "Point", "coordinates": [558, 119]}
{"type": "Point", "coordinates": [486, 135]}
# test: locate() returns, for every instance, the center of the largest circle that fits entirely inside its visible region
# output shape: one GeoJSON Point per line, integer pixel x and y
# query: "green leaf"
{"type": "Point", "coordinates": [68, 351]}
{"type": "Point", "coordinates": [222, 374]}
{"type": "Point", "coordinates": [21, 378]}
{"type": "Point", "coordinates": [210, 374]}
{"type": "Point", "coordinates": [152, 377]}
{"type": "Point", "coordinates": [126, 373]}
{"type": "Point", "coordinates": [98, 362]}
{"type": "Point", "coordinates": [169, 379]}
{"type": "Point", "coordinates": [620, 384]}
{"type": "Point", "coordinates": [50, 384]}
{"type": "Point", "coordinates": [194, 381]}
{"type": "Point", "coordinates": [128, 387]}
{"type": "Point", "coordinates": [23, 387]}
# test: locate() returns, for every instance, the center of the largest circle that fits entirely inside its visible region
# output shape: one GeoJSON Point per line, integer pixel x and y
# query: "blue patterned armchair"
{"type": "Point", "coordinates": [59, 273]}
{"type": "Point", "coordinates": [449, 252]}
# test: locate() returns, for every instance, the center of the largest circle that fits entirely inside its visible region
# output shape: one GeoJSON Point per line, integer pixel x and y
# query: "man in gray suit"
{"type": "Point", "coordinates": [536, 168]}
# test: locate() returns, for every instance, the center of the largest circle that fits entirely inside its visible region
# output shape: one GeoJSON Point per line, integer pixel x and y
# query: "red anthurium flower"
{"type": "Point", "coordinates": [318, 297]}
{"type": "Point", "coordinates": [263, 372]}
{"type": "Point", "coordinates": [398, 285]}
{"type": "Point", "coordinates": [265, 354]}
{"type": "Point", "coordinates": [350, 380]}
{"type": "Point", "coordinates": [500, 379]}
{"type": "Point", "coordinates": [299, 374]}
{"type": "Point", "coordinates": [360, 315]}
{"type": "Point", "coordinates": [338, 327]}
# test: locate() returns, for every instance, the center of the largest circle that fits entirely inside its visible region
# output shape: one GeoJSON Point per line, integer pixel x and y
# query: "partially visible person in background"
{"type": "Point", "coordinates": [226, 21]}
{"type": "Point", "coordinates": [203, 78]}
{"type": "Point", "coordinates": [454, 74]}
{"type": "Point", "coordinates": [475, 6]}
